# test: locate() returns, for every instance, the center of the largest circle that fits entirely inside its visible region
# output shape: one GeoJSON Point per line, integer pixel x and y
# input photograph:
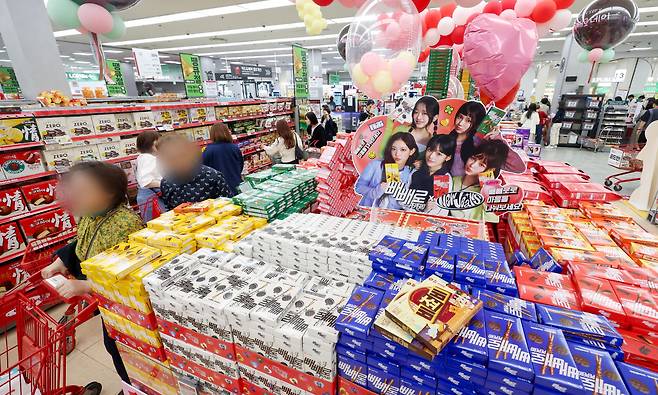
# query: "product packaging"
{"type": "Point", "coordinates": [104, 123]}
{"type": "Point", "coordinates": [18, 131]}
{"type": "Point", "coordinates": [39, 194]}
{"type": "Point", "coordinates": [578, 325]}
{"type": "Point", "coordinates": [58, 160]}
{"type": "Point", "coordinates": [508, 350]}
{"type": "Point", "coordinates": [80, 126]}
{"type": "Point", "coordinates": [53, 129]}
{"type": "Point", "coordinates": [46, 224]}
{"type": "Point", "coordinates": [11, 202]}
{"type": "Point", "coordinates": [21, 163]}
{"type": "Point", "coordinates": [11, 240]}
{"type": "Point", "coordinates": [507, 305]}
{"type": "Point", "coordinates": [598, 372]}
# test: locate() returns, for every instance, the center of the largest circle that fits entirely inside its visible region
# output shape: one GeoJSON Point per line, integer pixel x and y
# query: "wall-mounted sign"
{"type": "Point", "coordinates": [334, 79]}
{"type": "Point", "coordinates": [191, 65]}
{"type": "Point", "coordinates": [251, 71]}
{"type": "Point", "coordinates": [147, 62]}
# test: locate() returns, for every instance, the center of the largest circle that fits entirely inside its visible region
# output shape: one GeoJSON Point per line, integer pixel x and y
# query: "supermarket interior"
{"type": "Point", "coordinates": [328, 197]}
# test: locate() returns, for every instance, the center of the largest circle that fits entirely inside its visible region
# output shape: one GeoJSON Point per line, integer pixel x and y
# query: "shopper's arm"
{"type": "Point", "coordinates": [274, 148]}
{"type": "Point", "coordinates": [367, 184]}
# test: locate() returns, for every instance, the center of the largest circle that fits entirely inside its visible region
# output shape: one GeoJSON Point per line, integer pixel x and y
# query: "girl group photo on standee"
{"type": "Point", "coordinates": [435, 157]}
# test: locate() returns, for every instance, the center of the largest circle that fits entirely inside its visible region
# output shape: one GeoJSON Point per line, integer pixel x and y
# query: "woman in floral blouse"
{"type": "Point", "coordinates": [96, 194]}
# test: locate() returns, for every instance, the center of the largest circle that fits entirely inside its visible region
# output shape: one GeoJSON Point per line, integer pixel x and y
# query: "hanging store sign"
{"type": "Point", "coordinates": [118, 86]}
{"type": "Point", "coordinates": [243, 70]}
{"type": "Point", "coordinates": [8, 80]}
{"type": "Point", "coordinates": [148, 63]}
{"type": "Point", "coordinates": [191, 65]}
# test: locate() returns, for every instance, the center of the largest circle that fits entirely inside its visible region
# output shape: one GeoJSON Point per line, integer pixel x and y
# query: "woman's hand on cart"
{"type": "Point", "coordinates": [56, 267]}
{"type": "Point", "coordinates": [72, 288]}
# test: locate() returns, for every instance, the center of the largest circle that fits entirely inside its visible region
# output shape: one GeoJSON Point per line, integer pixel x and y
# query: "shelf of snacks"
{"type": "Point", "coordinates": [20, 146]}
{"type": "Point", "coordinates": [244, 118]}
{"type": "Point", "coordinates": [26, 213]}
{"type": "Point", "coordinates": [582, 113]}
{"type": "Point", "coordinates": [30, 177]}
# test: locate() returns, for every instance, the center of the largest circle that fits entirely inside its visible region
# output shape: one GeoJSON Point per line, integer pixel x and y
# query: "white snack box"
{"type": "Point", "coordinates": [85, 153]}
{"type": "Point", "coordinates": [143, 120]}
{"type": "Point", "coordinates": [80, 126]}
{"type": "Point", "coordinates": [125, 122]}
{"type": "Point", "coordinates": [58, 160]}
{"type": "Point", "coordinates": [129, 146]}
{"type": "Point", "coordinates": [53, 129]}
{"type": "Point", "coordinates": [110, 151]}
{"type": "Point", "coordinates": [104, 123]}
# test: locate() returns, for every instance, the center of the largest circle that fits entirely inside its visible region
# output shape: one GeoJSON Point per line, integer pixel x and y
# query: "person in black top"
{"type": "Point", "coordinates": [185, 179]}
{"type": "Point", "coordinates": [318, 137]}
{"type": "Point", "coordinates": [368, 111]}
{"type": "Point", "coordinates": [437, 160]}
{"type": "Point", "coordinates": [332, 103]}
{"type": "Point", "coordinates": [224, 156]}
{"type": "Point", "coordinates": [330, 127]}
{"type": "Point", "coordinates": [650, 115]}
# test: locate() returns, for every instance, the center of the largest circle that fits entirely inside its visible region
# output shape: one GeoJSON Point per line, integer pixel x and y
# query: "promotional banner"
{"type": "Point", "coordinates": [436, 156]}
{"type": "Point", "coordinates": [251, 71]}
{"type": "Point", "coordinates": [300, 71]}
{"type": "Point", "coordinates": [8, 80]}
{"type": "Point", "coordinates": [191, 65]}
{"type": "Point", "coordinates": [147, 62]}
{"type": "Point", "coordinates": [117, 87]}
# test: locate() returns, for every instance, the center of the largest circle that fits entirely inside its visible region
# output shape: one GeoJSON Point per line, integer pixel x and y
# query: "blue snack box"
{"type": "Point", "coordinates": [359, 312]}
{"type": "Point", "coordinates": [449, 383]}
{"type": "Point", "coordinates": [543, 261]}
{"type": "Point", "coordinates": [379, 280]}
{"type": "Point", "coordinates": [429, 238]}
{"type": "Point", "coordinates": [469, 269]}
{"type": "Point", "coordinates": [440, 261]}
{"type": "Point", "coordinates": [388, 269]}
{"type": "Point", "coordinates": [468, 367]}
{"type": "Point", "coordinates": [394, 348]}
{"type": "Point", "coordinates": [383, 364]}
{"type": "Point", "coordinates": [508, 351]}
{"type": "Point", "coordinates": [385, 250]}
{"type": "Point", "coordinates": [420, 365]}
{"type": "Point", "coordinates": [554, 366]}
{"type": "Point", "coordinates": [410, 387]}
{"type": "Point", "coordinates": [354, 371]}
{"type": "Point", "coordinates": [382, 382]}
{"type": "Point", "coordinates": [391, 356]}
{"type": "Point", "coordinates": [472, 378]}
{"type": "Point", "coordinates": [639, 380]}
{"type": "Point", "coordinates": [470, 343]}
{"type": "Point", "coordinates": [517, 259]}
{"type": "Point", "coordinates": [507, 305]}
{"type": "Point", "coordinates": [495, 388]}
{"type": "Point", "coordinates": [598, 372]}
{"type": "Point", "coordinates": [499, 278]}
{"type": "Point", "coordinates": [355, 343]}
{"type": "Point", "coordinates": [616, 353]}
{"type": "Point", "coordinates": [495, 378]}
{"type": "Point", "coordinates": [420, 379]}
{"type": "Point", "coordinates": [411, 256]}
{"type": "Point", "coordinates": [580, 324]}
{"type": "Point", "coordinates": [351, 353]}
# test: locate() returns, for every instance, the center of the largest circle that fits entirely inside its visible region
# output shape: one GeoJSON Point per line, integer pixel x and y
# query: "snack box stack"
{"type": "Point", "coordinates": [336, 177]}
{"type": "Point", "coordinates": [278, 193]}
{"type": "Point", "coordinates": [638, 380]}
{"type": "Point", "coordinates": [339, 250]}
{"type": "Point", "coordinates": [226, 317]}
{"type": "Point", "coordinates": [148, 375]}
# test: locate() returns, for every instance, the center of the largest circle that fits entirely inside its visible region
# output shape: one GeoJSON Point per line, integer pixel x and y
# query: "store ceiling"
{"type": "Point", "coordinates": [261, 31]}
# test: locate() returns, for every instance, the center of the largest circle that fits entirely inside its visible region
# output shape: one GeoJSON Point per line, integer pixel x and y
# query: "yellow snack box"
{"type": "Point", "coordinates": [193, 224]}
{"type": "Point", "coordinates": [170, 239]}
{"type": "Point", "coordinates": [141, 235]}
{"type": "Point", "coordinates": [166, 222]}
{"type": "Point", "coordinates": [116, 262]}
{"type": "Point", "coordinates": [227, 210]}
{"type": "Point", "coordinates": [212, 237]}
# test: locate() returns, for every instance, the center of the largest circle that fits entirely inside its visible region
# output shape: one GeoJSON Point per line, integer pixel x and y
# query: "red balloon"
{"type": "Point", "coordinates": [444, 41]}
{"type": "Point", "coordinates": [492, 7]}
{"type": "Point", "coordinates": [508, 4]}
{"type": "Point", "coordinates": [504, 101]}
{"type": "Point", "coordinates": [432, 18]}
{"type": "Point", "coordinates": [457, 35]}
{"type": "Point", "coordinates": [424, 55]}
{"type": "Point", "coordinates": [421, 4]}
{"type": "Point", "coordinates": [544, 11]}
{"type": "Point", "coordinates": [470, 18]}
{"type": "Point", "coordinates": [562, 4]}
{"type": "Point", "coordinates": [323, 3]}
{"type": "Point", "coordinates": [448, 9]}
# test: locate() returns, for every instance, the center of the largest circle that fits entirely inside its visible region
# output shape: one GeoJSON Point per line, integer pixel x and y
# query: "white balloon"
{"type": "Point", "coordinates": [560, 20]}
{"type": "Point", "coordinates": [523, 8]}
{"type": "Point", "coordinates": [543, 29]}
{"type": "Point", "coordinates": [508, 14]}
{"type": "Point", "coordinates": [446, 26]}
{"type": "Point", "coordinates": [467, 3]}
{"type": "Point", "coordinates": [432, 37]}
{"type": "Point", "coordinates": [460, 15]}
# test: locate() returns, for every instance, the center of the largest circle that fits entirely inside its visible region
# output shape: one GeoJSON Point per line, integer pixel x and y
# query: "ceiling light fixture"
{"type": "Point", "coordinates": [112, 51]}
{"type": "Point", "coordinates": [5, 60]}
{"type": "Point", "coordinates": [257, 57]}
{"type": "Point", "coordinates": [82, 62]}
{"type": "Point", "coordinates": [269, 41]}
{"type": "Point", "coordinates": [244, 51]}
{"type": "Point", "coordinates": [640, 49]}
{"type": "Point", "coordinates": [83, 53]}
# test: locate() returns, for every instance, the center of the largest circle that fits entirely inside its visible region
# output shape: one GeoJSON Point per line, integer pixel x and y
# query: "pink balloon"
{"type": "Point", "coordinates": [393, 31]}
{"type": "Point", "coordinates": [498, 52]}
{"type": "Point", "coordinates": [371, 63]}
{"type": "Point", "coordinates": [401, 70]}
{"type": "Point", "coordinates": [523, 8]}
{"type": "Point", "coordinates": [82, 30]}
{"type": "Point", "coordinates": [508, 14]}
{"type": "Point", "coordinates": [595, 55]}
{"type": "Point", "coordinates": [95, 18]}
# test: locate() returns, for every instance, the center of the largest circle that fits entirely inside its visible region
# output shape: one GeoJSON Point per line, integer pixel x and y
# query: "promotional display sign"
{"type": "Point", "coordinates": [8, 80]}
{"type": "Point", "coordinates": [251, 71]}
{"type": "Point", "coordinates": [334, 79]}
{"type": "Point", "coordinates": [117, 87]}
{"type": "Point", "coordinates": [438, 72]}
{"type": "Point", "coordinates": [300, 71]}
{"type": "Point", "coordinates": [191, 65]}
{"type": "Point", "coordinates": [433, 156]}
{"type": "Point", "coordinates": [147, 62]}
{"type": "Point", "coordinates": [228, 77]}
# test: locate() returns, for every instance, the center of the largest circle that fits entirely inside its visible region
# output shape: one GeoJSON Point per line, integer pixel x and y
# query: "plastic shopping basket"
{"type": "Point", "coordinates": [34, 360]}
{"type": "Point", "coordinates": [150, 209]}
{"type": "Point", "coordinates": [40, 253]}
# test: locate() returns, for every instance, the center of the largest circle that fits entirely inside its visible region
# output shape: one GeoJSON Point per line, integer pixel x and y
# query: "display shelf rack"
{"type": "Point", "coordinates": [27, 178]}
{"type": "Point", "coordinates": [612, 128]}
{"type": "Point", "coordinates": [582, 117]}
{"type": "Point", "coordinates": [20, 146]}
{"type": "Point", "coordinates": [106, 135]}
{"type": "Point", "coordinates": [264, 115]}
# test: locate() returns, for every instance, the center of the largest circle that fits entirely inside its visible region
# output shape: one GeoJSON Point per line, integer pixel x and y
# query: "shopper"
{"type": "Point", "coordinates": [468, 118]}
{"type": "Point", "coordinates": [318, 137]}
{"type": "Point", "coordinates": [224, 156]}
{"type": "Point", "coordinates": [556, 125]}
{"type": "Point", "coordinates": [329, 125]}
{"type": "Point", "coordinates": [437, 161]}
{"type": "Point", "coordinates": [542, 128]}
{"type": "Point", "coordinates": [332, 103]}
{"type": "Point", "coordinates": [424, 120]}
{"type": "Point", "coordinates": [368, 111]}
{"type": "Point", "coordinates": [649, 116]}
{"type": "Point", "coordinates": [530, 120]}
{"type": "Point", "coordinates": [545, 106]}
{"type": "Point", "coordinates": [95, 192]}
{"type": "Point", "coordinates": [148, 175]}
{"type": "Point", "coordinates": [186, 179]}
{"type": "Point", "coordinates": [287, 144]}
{"type": "Point", "coordinates": [401, 150]}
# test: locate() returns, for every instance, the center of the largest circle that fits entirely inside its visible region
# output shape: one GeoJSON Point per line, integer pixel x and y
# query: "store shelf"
{"type": "Point", "coordinates": [16, 147]}
{"type": "Point", "coordinates": [159, 107]}
{"type": "Point", "coordinates": [122, 159]}
{"type": "Point", "coordinates": [27, 178]}
{"type": "Point", "coordinates": [194, 125]}
{"type": "Point", "coordinates": [250, 102]}
{"type": "Point", "coordinates": [247, 117]}
{"type": "Point", "coordinates": [14, 115]}
{"type": "Point", "coordinates": [66, 111]}
{"type": "Point", "coordinates": [258, 168]}
{"type": "Point", "coordinates": [106, 135]}
{"type": "Point", "coordinates": [12, 256]}
{"type": "Point", "coordinates": [30, 213]}
{"type": "Point", "coordinates": [252, 151]}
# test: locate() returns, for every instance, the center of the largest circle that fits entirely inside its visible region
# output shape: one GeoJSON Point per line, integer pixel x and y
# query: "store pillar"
{"type": "Point", "coordinates": [573, 75]}
{"type": "Point", "coordinates": [31, 46]}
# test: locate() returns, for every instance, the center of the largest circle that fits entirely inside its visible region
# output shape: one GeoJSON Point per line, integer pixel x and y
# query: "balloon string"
{"type": "Point", "coordinates": [104, 74]}
{"type": "Point", "coordinates": [591, 71]}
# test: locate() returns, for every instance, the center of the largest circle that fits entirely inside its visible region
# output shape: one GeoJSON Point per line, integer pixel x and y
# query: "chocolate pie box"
{"type": "Point", "coordinates": [21, 163]}
{"type": "Point", "coordinates": [46, 224]}
{"type": "Point", "coordinates": [12, 202]}
{"type": "Point", "coordinates": [39, 193]}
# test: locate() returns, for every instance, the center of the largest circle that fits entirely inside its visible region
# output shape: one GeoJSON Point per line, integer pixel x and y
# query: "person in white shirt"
{"type": "Point", "coordinates": [148, 175]}
{"type": "Point", "coordinates": [285, 143]}
{"type": "Point", "coordinates": [530, 120]}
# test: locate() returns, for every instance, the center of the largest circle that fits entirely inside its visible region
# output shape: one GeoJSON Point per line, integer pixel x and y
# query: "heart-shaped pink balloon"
{"type": "Point", "coordinates": [498, 52]}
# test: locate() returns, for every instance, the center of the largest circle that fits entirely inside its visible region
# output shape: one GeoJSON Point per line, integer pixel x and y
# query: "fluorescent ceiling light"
{"type": "Point", "coordinates": [269, 41]}
{"type": "Point", "coordinates": [338, 58]}
{"type": "Point", "coordinates": [64, 56]}
{"type": "Point", "coordinates": [256, 57]}
{"type": "Point", "coordinates": [171, 62]}
{"type": "Point", "coordinates": [2, 51]}
{"type": "Point", "coordinates": [640, 49]}
{"type": "Point", "coordinates": [245, 51]}
{"type": "Point", "coordinates": [112, 51]}
{"type": "Point", "coordinates": [647, 23]}
{"type": "Point", "coordinates": [644, 33]}
{"type": "Point", "coordinates": [163, 56]}
{"type": "Point", "coordinates": [82, 62]}
{"type": "Point", "coordinates": [5, 60]}
{"type": "Point", "coordinates": [552, 39]}
{"type": "Point", "coordinates": [83, 53]}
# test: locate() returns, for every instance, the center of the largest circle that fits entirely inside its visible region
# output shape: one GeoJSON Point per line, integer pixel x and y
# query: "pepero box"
{"type": "Point", "coordinates": [503, 382]}
{"type": "Point", "coordinates": [598, 297]}
{"type": "Point", "coordinates": [640, 307]}
{"type": "Point", "coordinates": [544, 262]}
{"type": "Point", "coordinates": [386, 250]}
{"type": "Point", "coordinates": [383, 383]}
{"type": "Point", "coordinates": [527, 276]}
{"type": "Point", "coordinates": [380, 281]}
{"type": "Point", "coordinates": [440, 262]}
{"type": "Point", "coordinates": [354, 371]}
{"type": "Point", "coordinates": [507, 305]}
{"type": "Point", "coordinates": [602, 272]}
{"type": "Point", "coordinates": [411, 257]}
{"type": "Point", "coordinates": [568, 256]}
{"type": "Point", "coordinates": [499, 278]}
{"type": "Point", "coordinates": [507, 348]}
{"type": "Point", "coordinates": [579, 324]}
{"type": "Point", "coordinates": [470, 343]}
{"type": "Point", "coordinates": [598, 372]}
{"type": "Point", "coordinates": [639, 349]}
{"type": "Point", "coordinates": [553, 364]}
{"type": "Point", "coordinates": [469, 269]}
{"type": "Point", "coordinates": [639, 381]}
{"type": "Point", "coordinates": [550, 296]}
{"type": "Point", "coordinates": [358, 314]}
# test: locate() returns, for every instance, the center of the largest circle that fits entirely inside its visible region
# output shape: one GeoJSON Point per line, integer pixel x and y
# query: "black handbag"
{"type": "Point", "coordinates": [300, 154]}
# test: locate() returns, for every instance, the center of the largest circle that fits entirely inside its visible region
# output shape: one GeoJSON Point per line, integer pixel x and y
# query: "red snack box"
{"type": "Point", "coordinates": [11, 202]}
{"type": "Point", "coordinates": [640, 349]}
{"type": "Point", "coordinates": [46, 224]}
{"type": "Point", "coordinates": [640, 307]}
{"type": "Point", "coordinates": [623, 236]}
{"type": "Point", "coordinates": [22, 163]}
{"type": "Point", "coordinates": [602, 272]}
{"type": "Point", "coordinates": [548, 224]}
{"type": "Point", "coordinates": [575, 244]}
{"type": "Point", "coordinates": [616, 251]}
{"type": "Point", "coordinates": [643, 277]}
{"type": "Point", "coordinates": [643, 251]}
{"type": "Point", "coordinates": [571, 234]}
{"type": "Point", "coordinates": [566, 256]}
{"type": "Point", "coordinates": [527, 276]}
{"type": "Point", "coordinates": [598, 297]}
{"type": "Point", "coordinates": [595, 235]}
{"type": "Point", "coordinates": [554, 297]}
{"type": "Point", "coordinates": [11, 240]}
{"type": "Point", "coordinates": [40, 193]}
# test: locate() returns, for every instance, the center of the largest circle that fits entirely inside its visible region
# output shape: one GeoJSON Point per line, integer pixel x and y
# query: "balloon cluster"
{"type": "Point", "coordinates": [90, 16]}
{"type": "Point", "coordinates": [382, 45]}
{"type": "Point", "coordinates": [445, 26]}
{"type": "Point", "coordinates": [309, 11]}
{"type": "Point", "coordinates": [595, 55]}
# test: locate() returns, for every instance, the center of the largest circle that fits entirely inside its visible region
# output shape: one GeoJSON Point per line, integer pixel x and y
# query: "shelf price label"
{"type": "Point", "coordinates": [191, 65]}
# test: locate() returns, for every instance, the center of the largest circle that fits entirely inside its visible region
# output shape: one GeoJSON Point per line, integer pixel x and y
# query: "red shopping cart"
{"type": "Point", "coordinates": [34, 360]}
{"type": "Point", "coordinates": [623, 157]}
